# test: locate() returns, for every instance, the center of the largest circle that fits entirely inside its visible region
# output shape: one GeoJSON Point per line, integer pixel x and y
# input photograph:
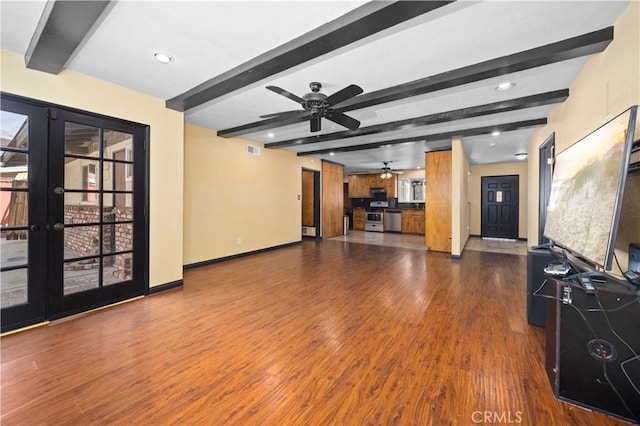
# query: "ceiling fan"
{"type": "Point", "coordinates": [387, 171]}
{"type": "Point", "coordinates": [317, 105]}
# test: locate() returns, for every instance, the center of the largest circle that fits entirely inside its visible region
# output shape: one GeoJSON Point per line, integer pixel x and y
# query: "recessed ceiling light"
{"type": "Point", "coordinates": [506, 85]}
{"type": "Point", "coordinates": [495, 133]}
{"type": "Point", "coordinates": [418, 167]}
{"type": "Point", "coordinates": [332, 153]}
{"type": "Point", "coordinates": [163, 57]}
{"type": "Point", "coordinates": [521, 155]}
{"type": "Point", "coordinates": [270, 135]}
{"type": "Point", "coordinates": [492, 144]}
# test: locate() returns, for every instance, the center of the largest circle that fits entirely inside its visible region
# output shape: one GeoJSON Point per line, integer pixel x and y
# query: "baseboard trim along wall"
{"type": "Point", "coordinates": [236, 256]}
{"type": "Point", "coordinates": [163, 287]}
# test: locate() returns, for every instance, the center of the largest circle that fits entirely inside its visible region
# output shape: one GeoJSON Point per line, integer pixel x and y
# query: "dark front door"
{"type": "Point", "coordinates": [73, 201]}
{"type": "Point", "coordinates": [500, 206]}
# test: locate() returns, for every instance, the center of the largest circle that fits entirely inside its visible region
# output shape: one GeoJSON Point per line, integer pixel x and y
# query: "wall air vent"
{"type": "Point", "coordinates": [253, 150]}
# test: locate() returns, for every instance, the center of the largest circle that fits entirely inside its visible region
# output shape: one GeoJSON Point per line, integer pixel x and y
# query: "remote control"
{"type": "Point", "coordinates": [587, 284]}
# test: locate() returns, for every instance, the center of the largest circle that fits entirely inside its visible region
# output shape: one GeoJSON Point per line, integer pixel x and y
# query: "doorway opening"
{"type": "Point", "coordinates": [311, 203]}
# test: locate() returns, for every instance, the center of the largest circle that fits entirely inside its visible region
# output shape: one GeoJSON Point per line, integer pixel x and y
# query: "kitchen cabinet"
{"type": "Point", "coordinates": [358, 219]}
{"type": "Point", "coordinates": [360, 185]}
{"type": "Point", "coordinates": [391, 185]}
{"type": "Point", "coordinates": [413, 222]}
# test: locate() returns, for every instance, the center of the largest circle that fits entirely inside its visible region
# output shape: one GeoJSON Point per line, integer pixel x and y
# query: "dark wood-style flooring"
{"type": "Point", "coordinates": [312, 334]}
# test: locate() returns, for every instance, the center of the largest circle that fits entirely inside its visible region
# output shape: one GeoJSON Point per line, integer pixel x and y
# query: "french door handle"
{"type": "Point", "coordinates": [58, 190]}
{"type": "Point", "coordinates": [58, 226]}
{"type": "Point", "coordinates": [34, 228]}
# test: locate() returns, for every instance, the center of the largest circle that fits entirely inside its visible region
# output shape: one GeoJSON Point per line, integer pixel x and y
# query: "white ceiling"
{"type": "Point", "coordinates": [207, 38]}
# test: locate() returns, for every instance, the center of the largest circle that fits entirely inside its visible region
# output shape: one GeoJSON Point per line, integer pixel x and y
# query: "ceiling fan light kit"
{"type": "Point", "coordinates": [386, 170]}
{"type": "Point", "coordinates": [317, 105]}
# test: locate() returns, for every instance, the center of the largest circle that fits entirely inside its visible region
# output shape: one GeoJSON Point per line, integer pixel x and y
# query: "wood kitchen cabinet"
{"type": "Point", "coordinates": [413, 222]}
{"type": "Point", "coordinates": [391, 185]}
{"type": "Point", "coordinates": [360, 185]}
{"type": "Point", "coordinates": [358, 219]}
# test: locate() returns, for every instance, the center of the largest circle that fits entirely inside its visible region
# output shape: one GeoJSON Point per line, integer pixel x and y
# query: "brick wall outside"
{"type": "Point", "coordinates": [85, 241]}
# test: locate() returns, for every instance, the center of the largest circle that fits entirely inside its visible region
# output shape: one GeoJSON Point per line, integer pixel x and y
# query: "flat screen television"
{"type": "Point", "coordinates": [587, 191]}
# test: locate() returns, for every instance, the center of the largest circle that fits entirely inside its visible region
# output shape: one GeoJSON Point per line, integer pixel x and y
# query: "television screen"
{"type": "Point", "coordinates": [586, 191]}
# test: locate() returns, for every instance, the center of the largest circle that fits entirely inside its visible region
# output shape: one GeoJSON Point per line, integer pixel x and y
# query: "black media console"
{"type": "Point", "coordinates": [593, 345]}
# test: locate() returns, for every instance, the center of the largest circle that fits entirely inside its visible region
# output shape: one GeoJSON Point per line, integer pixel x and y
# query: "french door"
{"type": "Point", "coordinates": [82, 244]}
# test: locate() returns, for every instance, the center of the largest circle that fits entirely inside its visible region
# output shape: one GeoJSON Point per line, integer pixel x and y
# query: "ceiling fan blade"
{"type": "Point", "coordinates": [344, 94]}
{"type": "Point", "coordinates": [315, 122]}
{"type": "Point", "coordinates": [343, 120]}
{"type": "Point", "coordinates": [285, 114]}
{"type": "Point", "coordinates": [286, 94]}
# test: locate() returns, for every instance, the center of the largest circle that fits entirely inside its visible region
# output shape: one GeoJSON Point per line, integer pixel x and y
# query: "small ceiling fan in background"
{"type": "Point", "coordinates": [387, 171]}
{"type": "Point", "coordinates": [317, 105]}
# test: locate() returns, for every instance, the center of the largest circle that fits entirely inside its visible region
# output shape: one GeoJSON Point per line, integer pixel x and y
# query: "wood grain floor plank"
{"type": "Point", "coordinates": [319, 333]}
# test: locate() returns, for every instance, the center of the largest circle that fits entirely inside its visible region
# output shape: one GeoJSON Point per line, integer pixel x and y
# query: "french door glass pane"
{"type": "Point", "coordinates": [13, 169]}
{"type": "Point", "coordinates": [115, 141]}
{"type": "Point", "coordinates": [14, 251]}
{"type": "Point", "coordinates": [81, 140]}
{"type": "Point", "coordinates": [81, 275]}
{"type": "Point", "coordinates": [117, 237]}
{"type": "Point", "coordinates": [82, 174]}
{"type": "Point", "coordinates": [115, 176]}
{"type": "Point", "coordinates": [76, 211]}
{"type": "Point", "coordinates": [117, 207]}
{"type": "Point", "coordinates": [14, 287]}
{"type": "Point", "coordinates": [15, 212]}
{"type": "Point", "coordinates": [117, 268]}
{"type": "Point", "coordinates": [81, 241]}
{"type": "Point", "coordinates": [15, 130]}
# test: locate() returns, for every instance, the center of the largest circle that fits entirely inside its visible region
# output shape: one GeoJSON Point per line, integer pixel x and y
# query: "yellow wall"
{"type": "Point", "coordinates": [608, 84]}
{"type": "Point", "coordinates": [408, 174]}
{"type": "Point", "coordinates": [166, 128]}
{"type": "Point", "coordinates": [475, 192]}
{"type": "Point", "coordinates": [230, 194]}
{"type": "Point", "coordinates": [460, 214]}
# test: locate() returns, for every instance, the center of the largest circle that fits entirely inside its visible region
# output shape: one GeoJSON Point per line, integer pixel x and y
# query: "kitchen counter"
{"type": "Point", "coordinates": [399, 210]}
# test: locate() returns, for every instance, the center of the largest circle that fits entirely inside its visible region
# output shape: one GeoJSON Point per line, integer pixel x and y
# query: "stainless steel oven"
{"type": "Point", "coordinates": [374, 218]}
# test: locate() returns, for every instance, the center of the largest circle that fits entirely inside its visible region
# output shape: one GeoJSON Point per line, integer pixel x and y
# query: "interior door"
{"type": "Point", "coordinates": [500, 203]}
{"type": "Point", "coordinates": [23, 170]}
{"type": "Point", "coordinates": [97, 244]}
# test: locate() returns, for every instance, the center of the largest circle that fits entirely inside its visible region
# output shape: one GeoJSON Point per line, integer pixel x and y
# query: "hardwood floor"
{"type": "Point", "coordinates": [318, 333]}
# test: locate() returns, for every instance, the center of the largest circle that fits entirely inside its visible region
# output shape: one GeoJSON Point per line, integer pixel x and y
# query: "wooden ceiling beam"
{"type": "Point", "coordinates": [586, 44]}
{"type": "Point", "coordinates": [360, 23]}
{"type": "Point", "coordinates": [547, 98]}
{"type": "Point", "coordinates": [434, 137]}
{"type": "Point", "coordinates": [63, 27]}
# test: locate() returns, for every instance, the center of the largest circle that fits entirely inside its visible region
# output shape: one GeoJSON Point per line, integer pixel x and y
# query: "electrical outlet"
{"type": "Point", "coordinates": [239, 240]}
